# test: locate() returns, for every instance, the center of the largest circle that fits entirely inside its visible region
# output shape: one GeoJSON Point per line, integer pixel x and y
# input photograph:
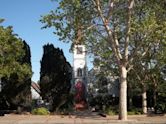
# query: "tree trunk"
{"type": "Point", "coordinates": [154, 98]}
{"type": "Point", "coordinates": [123, 94]}
{"type": "Point", "coordinates": [130, 103]}
{"type": "Point", "coordinates": [144, 100]}
{"type": "Point", "coordinates": [0, 85]}
{"type": "Point", "coordinates": [129, 94]}
{"type": "Point", "coordinates": [155, 94]}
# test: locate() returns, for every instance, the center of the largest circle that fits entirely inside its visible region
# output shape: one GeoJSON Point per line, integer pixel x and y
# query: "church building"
{"type": "Point", "coordinates": [80, 64]}
{"type": "Point", "coordinates": [80, 76]}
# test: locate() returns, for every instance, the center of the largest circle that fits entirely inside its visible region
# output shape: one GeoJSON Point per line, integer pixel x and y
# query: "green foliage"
{"type": "Point", "coordinates": [55, 77]}
{"type": "Point", "coordinates": [111, 110]}
{"type": "Point", "coordinates": [17, 92]}
{"type": "Point", "coordinates": [67, 107]}
{"type": "Point", "coordinates": [15, 71]}
{"type": "Point", "coordinates": [148, 31]}
{"type": "Point", "coordinates": [40, 111]}
{"type": "Point", "coordinates": [11, 53]}
{"type": "Point", "coordinates": [135, 111]}
{"type": "Point", "coordinates": [103, 101]}
{"type": "Point", "coordinates": [67, 19]}
{"type": "Point", "coordinates": [160, 108]}
{"type": "Point", "coordinates": [106, 33]}
{"type": "Point", "coordinates": [161, 98]}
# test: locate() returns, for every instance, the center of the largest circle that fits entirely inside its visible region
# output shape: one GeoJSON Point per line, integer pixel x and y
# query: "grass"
{"type": "Point", "coordinates": [40, 111]}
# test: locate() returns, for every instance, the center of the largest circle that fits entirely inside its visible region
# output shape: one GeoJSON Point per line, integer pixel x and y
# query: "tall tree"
{"type": "Point", "coordinates": [15, 70]}
{"type": "Point", "coordinates": [112, 21]}
{"type": "Point", "coordinates": [11, 53]}
{"type": "Point", "coordinates": [16, 91]}
{"type": "Point", "coordinates": [55, 77]}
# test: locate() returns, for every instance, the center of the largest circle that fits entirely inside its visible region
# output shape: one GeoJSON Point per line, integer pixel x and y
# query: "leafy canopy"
{"type": "Point", "coordinates": [11, 53]}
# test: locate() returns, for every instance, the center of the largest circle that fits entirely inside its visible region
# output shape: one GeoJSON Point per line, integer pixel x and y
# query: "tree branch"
{"type": "Point", "coordinates": [128, 28]}
{"type": "Point", "coordinates": [111, 5]}
{"type": "Point", "coordinates": [114, 43]}
{"type": "Point", "coordinates": [117, 45]}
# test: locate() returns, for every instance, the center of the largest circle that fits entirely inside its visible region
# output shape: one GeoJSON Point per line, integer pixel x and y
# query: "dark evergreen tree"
{"type": "Point", "coordinates": [16, 89]}
{"type": "Point", "coordinates": [55, 77]}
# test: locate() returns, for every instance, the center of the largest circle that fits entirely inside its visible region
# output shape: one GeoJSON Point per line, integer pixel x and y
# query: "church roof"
{"type": "Point", "coordinates": [36, 87]}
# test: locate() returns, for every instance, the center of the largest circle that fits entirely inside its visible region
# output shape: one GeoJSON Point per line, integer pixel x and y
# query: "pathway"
{"type": "Point", "coordinates": [80, 118]}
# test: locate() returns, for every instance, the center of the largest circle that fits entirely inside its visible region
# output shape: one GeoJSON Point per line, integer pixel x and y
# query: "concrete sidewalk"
{"type": "Point", "coordinates": [54, 119]}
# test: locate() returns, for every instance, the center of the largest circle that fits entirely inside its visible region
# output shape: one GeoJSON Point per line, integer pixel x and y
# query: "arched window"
{"type": "Point", "coordinates": [79, 72]}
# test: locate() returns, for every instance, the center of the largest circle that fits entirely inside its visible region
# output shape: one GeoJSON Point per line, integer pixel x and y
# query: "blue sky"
{"type": "Point", "coordinates": [24, 16]}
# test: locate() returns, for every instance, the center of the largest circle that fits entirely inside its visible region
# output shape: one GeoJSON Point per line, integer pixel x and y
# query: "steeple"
{"type": "Point", "coordinates": [80, 76]}
{"type": "Point", "coordinates": [79, 63]}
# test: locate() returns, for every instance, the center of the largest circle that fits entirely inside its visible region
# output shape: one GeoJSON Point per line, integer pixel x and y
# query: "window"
{"type": "Point", "coordinates": [79, 50]}
{"type": "Point", "coordinates": [79, 72]}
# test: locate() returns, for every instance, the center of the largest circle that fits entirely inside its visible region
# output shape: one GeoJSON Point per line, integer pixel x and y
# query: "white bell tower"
{"type": "Point", "coordinates": [80, 64]}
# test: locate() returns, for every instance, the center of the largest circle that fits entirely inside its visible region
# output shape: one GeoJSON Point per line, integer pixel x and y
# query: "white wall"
{"type": "Point", "coordinates": [35, 95]}
{"type": "Point", "coordinates": [79, 60]}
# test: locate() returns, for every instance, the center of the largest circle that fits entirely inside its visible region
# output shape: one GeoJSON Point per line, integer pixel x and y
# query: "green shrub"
{"type": "Point", "coordinates": [160, 108]}
{"type": "Point", "coordinates": [135, 111]}
{"type": "Point", "coordinates": [40, 111]}
{"type": "Point", "coordinates": [131, 113]}
{"type": "Point", "coordinates": [111, 111]}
